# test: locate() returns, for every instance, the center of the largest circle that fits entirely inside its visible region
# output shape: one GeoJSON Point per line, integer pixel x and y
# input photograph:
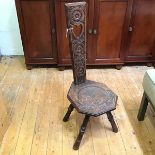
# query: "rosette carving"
{"type": "Point", "coordinates": [76, 15]}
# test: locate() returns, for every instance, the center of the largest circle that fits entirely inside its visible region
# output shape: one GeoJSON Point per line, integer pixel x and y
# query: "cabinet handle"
{"type": "Point", "coordinates": [90, 31]}
{"type": "Point", "coordinates": [94, 31]}
{"type": "Point", "coordinates": [130, 29]}
{"type": "Point", "coordinates": [53, 30]}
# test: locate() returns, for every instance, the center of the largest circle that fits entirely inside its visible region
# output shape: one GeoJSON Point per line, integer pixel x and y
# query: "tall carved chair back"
{"type": "Point", "coordinates": [76, 17]}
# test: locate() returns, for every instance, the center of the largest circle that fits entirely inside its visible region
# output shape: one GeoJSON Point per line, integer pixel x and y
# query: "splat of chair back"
{"type": "Point", "coordinates": [76, 32]}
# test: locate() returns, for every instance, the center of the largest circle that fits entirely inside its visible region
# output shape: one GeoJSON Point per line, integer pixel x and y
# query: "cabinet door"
{"type": "Point", "coordinates": [109, 26]}
{"type": "Point", "coordinates": [36, 18]}
{"type": "Point", "coordinates": [62, 40]}
{"type": "Point", "coordinates": [141, 42]}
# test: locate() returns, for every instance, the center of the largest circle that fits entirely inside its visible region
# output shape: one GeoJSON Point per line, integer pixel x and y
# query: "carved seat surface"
{"type": "Point", "coordinates": [92, 98]}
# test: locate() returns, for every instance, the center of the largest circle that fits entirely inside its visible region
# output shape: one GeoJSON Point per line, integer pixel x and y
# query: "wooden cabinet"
{"type": "Point", "coordinates": [109, 22]}
{"type": "Point", "coordinates": [141, 41]}
{"type": "Point", "coordinates": [105, 32]}
{"type": "Point", "coordinates": [62, 40]}
{"type": "Point", "coordinates": [37, 25]}
{"type": "Point", "coordinates": [118, 31]}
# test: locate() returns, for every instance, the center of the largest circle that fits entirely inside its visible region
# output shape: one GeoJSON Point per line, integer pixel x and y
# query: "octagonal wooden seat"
{"type": "Point", "coordinates": [92, 98]}
{"type": "Point", "coordinates": [87, 97]}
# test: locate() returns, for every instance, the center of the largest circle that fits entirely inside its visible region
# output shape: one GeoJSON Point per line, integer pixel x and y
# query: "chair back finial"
{"type": "Point", "coordinates": [76, 20]}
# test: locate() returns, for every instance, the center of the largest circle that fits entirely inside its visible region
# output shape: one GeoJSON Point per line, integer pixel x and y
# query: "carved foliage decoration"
{"type": "Point", "coordinates": [76, 16]}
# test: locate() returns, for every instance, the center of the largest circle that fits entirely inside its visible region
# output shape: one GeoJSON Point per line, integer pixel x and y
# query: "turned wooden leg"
{"type": "Point", "coordinates": [118, 67]}
{"type": "Point", "coordinates": [113, 124]}
{"type": "Point", "coordinates": [81, 132]}
{"type": "Point", "coordinates": [29, 67]}
{"type": "Point", "coordinates": [143, 107]}
{"type": "Point", "coordinates": [69, 111]}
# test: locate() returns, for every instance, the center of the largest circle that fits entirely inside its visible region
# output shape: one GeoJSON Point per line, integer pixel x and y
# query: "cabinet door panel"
{"type": "Point", "coordinates": [38, 25]}
{"type": "Point", "coordinates": [109, 23]}
{"type": "Point", "coordinates": [62, 40]}
{"type": "Point", "coordinates": [142, 38]}
{"type": "Point", "coordinates": [65, 44]}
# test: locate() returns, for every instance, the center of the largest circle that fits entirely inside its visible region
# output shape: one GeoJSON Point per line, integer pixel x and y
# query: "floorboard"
{"type": "Point", "coordinates": [33, 103]}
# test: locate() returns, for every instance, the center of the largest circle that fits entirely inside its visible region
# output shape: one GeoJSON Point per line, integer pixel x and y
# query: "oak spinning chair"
{"type": "Point", "coordinates": [87, 97]}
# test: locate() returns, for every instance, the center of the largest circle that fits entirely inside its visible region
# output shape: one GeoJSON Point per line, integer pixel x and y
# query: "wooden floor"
{"type": "Point", "coordinates": [36, 101]}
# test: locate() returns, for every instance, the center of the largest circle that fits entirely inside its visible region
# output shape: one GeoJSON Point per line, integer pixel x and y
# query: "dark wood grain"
{"type": "Point", "coordinates": [38, 30]}
{"type": "Point", "coordinates": [111, 120]}
{"type": "Point", "coordinates": [92, 98]}
{"type": "Point", "coordinates": [63, 44]}
{"type": "Point", "coordinates": [43, 31]}
{"type": "Point", "coordinates": [109, 19]}
{"type": "Point", "coordinates": [75, 17]}
{"type": "Point", "coordinates": [67, 115]}
{"type": "Point", "coordinates": [81, 132]}
{"type": "Point", "coordinates": [142, 37]}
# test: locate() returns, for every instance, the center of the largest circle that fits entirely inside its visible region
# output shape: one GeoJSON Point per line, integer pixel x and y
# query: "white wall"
{"type": "Point", "coordinates": [10, 40]}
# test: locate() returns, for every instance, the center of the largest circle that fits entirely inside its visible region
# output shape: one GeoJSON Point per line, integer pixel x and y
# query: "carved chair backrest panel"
{"type": "Point", "coordinates": [76, 30]}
